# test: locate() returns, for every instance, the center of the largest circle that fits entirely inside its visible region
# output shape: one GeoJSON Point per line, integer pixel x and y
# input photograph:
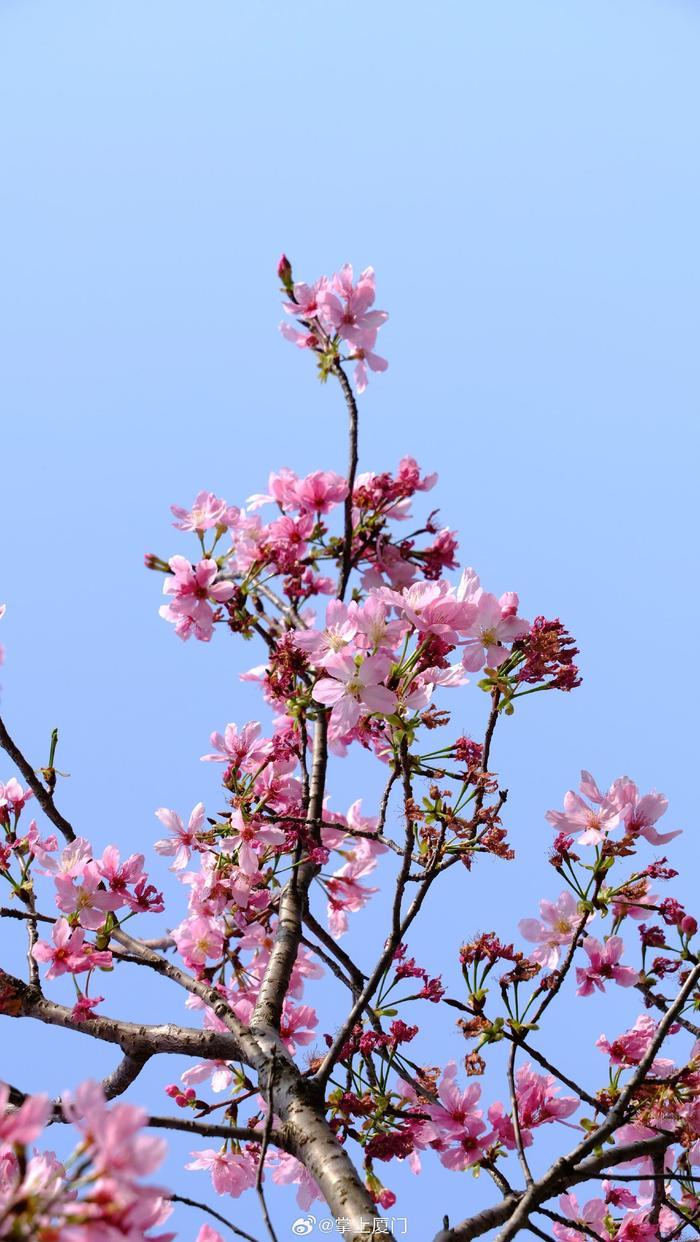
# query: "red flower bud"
{"type": "Point", "coordinates": [284, 271]}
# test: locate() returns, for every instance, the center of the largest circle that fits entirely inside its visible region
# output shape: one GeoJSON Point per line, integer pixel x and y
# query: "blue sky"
{"type": "Point", "coordinates": [524, 178]}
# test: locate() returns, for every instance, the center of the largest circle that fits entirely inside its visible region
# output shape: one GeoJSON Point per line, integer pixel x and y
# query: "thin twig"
{"type": "Point", "coordinates": [562, 1220]}
{"type": "Point", "coordinates": [368, 991]}
{"type": "Point", "coordinates": [41, 793]}
{"type": "Point", "coordinates": [565, 1178]}
{"type": "Point", "coordinates": [522, 1158]}
{"type": "Point", "coordinates": [337, 950]}
{"type": "Point", "coordinates": [263, 1150]}
{"type": "Point", "coordinates": [408, 840]}
{"type": "Point", "coordinates": [350, 402]}
{"type": "Point", "coordinates": [203, 1207]}
{"type": "Point", "coordinates": [661, 1003]}
{"type": "Point", "coordinates": [541, 1190]}
{"type": "Point", "coordinates": [554, 1069]}
{"type": "Point", "coordinates": [239, 1134]}
{"type": "Point", "coordinates": [330, 963]}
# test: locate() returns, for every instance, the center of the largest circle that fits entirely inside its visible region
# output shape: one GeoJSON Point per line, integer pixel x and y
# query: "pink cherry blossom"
{"type": "Point", "coordinates": [250, 538]}
{"type": "Point", "coordinates": [207, 1234]}
{"type": "Point", "coordinates": [458, 1128]}
{"type": "Point", "coordinates": [320, 491]}
{"type": "Point", "coordinates": [87, 898]}
{"type": "Point", "coordinates": [640, 813]}
{"type": "Point", "coordinates": [432, 608]}
{"type": "Point", "coordinates": [288, 1171]}
{"type": "Point", "coordinates": [538, 1099]}
{"type": "Point", "coordinates": [365, 358]}
{"type": "Point", "coordinates": [298, 1026]}
{"type": "Point", "coordinates": [287, 538]}
{"type": "Point", "coordinates": [12, 798]}
{"type": "Point", "coordinates": [592, 1215]}
{"type": "Point", "coordinates": [346, 307]}
{"type": "Point", "coordinates": [306, 299]}
{"type": "Point", "coordinates": [374, 631]}
{"type": "Point", "coordinates": [409, 476]}
{"type": "Point", "coordinates": [364, 848]}
{"type": "Point", "coordinates": [303, 340]}
{"type": "Point", "coordinates": [618, 1196]}
{"type": "Point", "coordinates": [559, 920]}
{"type": "Point", "coordinates": [340, 630]}
{"type": "Point", "coordinates": [593, 823]}
{"type": "Point", "coordinates": [207, 511]}
{"type": "Point", "coordinates": [198, 939]}
{"type": "Point", "coordinates": [70, 862]}
{"type": "Point", "coordinates": [637, 1227]}
{"type": "Point", "coordinates": [25, 1123]}
{"type": "Point", "coordinates": [633, 1133]}
{"type": "Point", "coordinates": [183, 840]}
{"type": "Point", "coordinates": [231, 1174]}
{"type": "Point", "coordinates": [494, 625]}
{"type": "Point", "coordinates": [121, 875]}
{"type": "Point", "coordinates": [346, 895]}
{"type": "Point", "coordinates": [248, 837]}
{"type": "Point", "coordinates": [604, 959]}
{"type": "Point", "coordinates": [338, 309]}
{"type": "Point", "coordinates": [218, 1072]}
{"type": "Point", "coordinates": [538, 1104]}
{"type": "Point", "coordinates": [629, 1048]}
{"type": "Point", "coordinates": [245, 750]}
{"type": "Point", "coordinates": [194, 588]}
{"type": "Point", "coordinates": [40, 848]}
{"type": "Point", "coordinates": [351, 686]}
{"type": "Point", "coordinates": [282, 486]}
{"type": "Point", "coordinates": [69, 953]}
{"type": "Point", "coordinates": [84, 1007]}
{"type": "Point", "coordinates": [118, 1149]}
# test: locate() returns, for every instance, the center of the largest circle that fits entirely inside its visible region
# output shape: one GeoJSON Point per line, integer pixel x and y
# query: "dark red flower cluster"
{"type": "Point", "coordinates": [487, 948]}
{"type": "Point", "coordinates": [286, 665]}
{"type": "Point", "coordinates": [368, 1042]}
{"type": "Point", "coordinates": [432, 989]}
{"type": "Point", "coordinates": [548, 650]}
{"type": "Point", "coordinates": [383, 491]}
{"type": "Point", "coordinates": [561, 850]}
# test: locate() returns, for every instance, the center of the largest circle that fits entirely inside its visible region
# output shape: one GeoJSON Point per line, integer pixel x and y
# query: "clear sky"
{"type": "Point", "coordinates": [524, 177]}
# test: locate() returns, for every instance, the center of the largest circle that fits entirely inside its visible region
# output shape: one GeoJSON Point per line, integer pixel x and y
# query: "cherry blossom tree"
{"type": "Point", "coordinates": [366, 633]}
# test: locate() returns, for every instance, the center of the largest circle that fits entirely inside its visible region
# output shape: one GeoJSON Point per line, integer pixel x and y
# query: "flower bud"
{"type": "Point", "coordinates": [284, 271]}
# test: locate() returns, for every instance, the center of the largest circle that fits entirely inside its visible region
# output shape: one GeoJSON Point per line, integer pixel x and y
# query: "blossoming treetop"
{"type": "Point", "coordinates": [362, 627]}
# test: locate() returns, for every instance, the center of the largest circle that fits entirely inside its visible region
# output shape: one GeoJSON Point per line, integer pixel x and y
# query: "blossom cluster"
{"type": "Point", "coordinates": [93, 894]}
{"type": "Point", "coordinates": [366, 637]}
{"type": "Point", "coordinates": [335, 313]}
{"type": "Point", "coordinates": [99, 1197]}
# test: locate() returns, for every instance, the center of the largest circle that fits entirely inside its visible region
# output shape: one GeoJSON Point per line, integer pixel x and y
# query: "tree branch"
{"type": "Point", "coordinates": [350, 402]}
{"type": "Point", "coordinates": [239, 1134]}
{"type": "Point", "coordinates": [537, 1193]}
{"type": "Point", "coordinates": [553, 1069]}
{"type": "Point", "coordinates": [368, 991]}
{"type": "Point", "coordinates": [138, 954]}
{"type": "Point", "coordinates": [240, 1233]}
{"type": "Point", "coordinates": [491, 1217]}
{"type": "Point", "coordinates": [41, 793]}
{"type": "Point", "coordinates": [293, 901]}
{"type": "Point", "coordinates": [126, 1072]}
{"type": "Point", "coordinates": [19, 999]}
